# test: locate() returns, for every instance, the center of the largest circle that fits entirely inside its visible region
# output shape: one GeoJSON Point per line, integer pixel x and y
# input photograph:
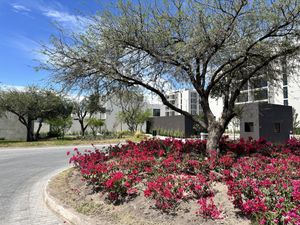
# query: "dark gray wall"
{"type": "Point", "coordinates": [180, 122]}
{"type": "Point", "coordinates": [250, 114]}
{"type": "Point", "coordinates": [270, 114]}
{"type": "Point", "coordinates": [264, 116]}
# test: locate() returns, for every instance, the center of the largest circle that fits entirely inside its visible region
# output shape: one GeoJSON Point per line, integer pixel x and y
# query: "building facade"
{"type": "Point", "coordinates": [284, 92]}
{"type": "Point", "coordinates": [187, 100]}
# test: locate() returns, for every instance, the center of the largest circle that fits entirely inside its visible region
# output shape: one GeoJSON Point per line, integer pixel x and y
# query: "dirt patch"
{"type": "Point", "coordinates": [72, 191]}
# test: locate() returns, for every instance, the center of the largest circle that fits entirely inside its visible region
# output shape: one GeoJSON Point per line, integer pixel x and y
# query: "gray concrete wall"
{"type": "Point", "coordinates": [271, 114]}
{"type": "Point", "coordinates": [250, 113]}
{"type": "Point", "coordinates": [45, 127]}
{"type": "Point", "coordinates": [264, 117]}
{"type": "Point", "coordinates": [11, 128]}
{"type": "Point", "coordinates": [179, 122]}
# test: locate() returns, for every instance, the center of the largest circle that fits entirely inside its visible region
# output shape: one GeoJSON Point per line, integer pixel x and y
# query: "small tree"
{"type": "Point", "coordinates": [60, 125]}
{"type": "Point", "coordinates": [132, 104]}
{"type": "Point", "coordinates": [87, 108]}
{"type": "Point", "coordinates": [95, 125]}
{"type": "Point", "coordinates": [143, 116]}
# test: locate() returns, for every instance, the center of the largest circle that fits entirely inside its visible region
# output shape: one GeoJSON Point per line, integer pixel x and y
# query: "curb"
{"type": "Point", "coordinates": [69, 215]}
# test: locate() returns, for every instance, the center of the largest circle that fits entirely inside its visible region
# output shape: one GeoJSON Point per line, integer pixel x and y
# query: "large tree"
{"type": "Point", "coordinates": [33, 104]}
{"type": "Point", "coordinates": [213, 46]}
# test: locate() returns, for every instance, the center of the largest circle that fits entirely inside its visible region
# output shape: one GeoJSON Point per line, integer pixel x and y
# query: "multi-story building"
{"type": "Point", "coordinates": [285, 92]}
{"type": "Point", "coordinates": [187, 100]}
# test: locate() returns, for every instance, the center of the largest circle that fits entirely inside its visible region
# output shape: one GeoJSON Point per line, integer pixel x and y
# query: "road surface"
{"type": "Point", "coordinates": [23, 176]}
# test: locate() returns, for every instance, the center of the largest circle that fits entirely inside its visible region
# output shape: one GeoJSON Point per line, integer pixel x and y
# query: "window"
{"type": "Point", "coordinates": [259, 83]}
{"type": "Point", "coordinates": [193, 95]}
{"type": "Point", "coordinates": [193, 112]}
{"type": "Point", "coordinates": [285, 102]}
{"type": "Point", "coordinates": [193, 100]}
{"type": "Point", "coordinates": [156, 112]}
{"type": "Point", "coordinates": [172, 113]}
{"type": "Point", "coordinates": [277, 127]}
{"type": "Point", "coordinates": [167, 114]}
{"type": "Point", "coordinates": [285, 92]}
{"type": "Point", "coordinates": [260, 95]}
{"type": "Point", "coordinates": [245, 87]}
{"type": "Point", "coordinates": [193, 109]}
{"type": "Point", "coordinates": [249, 126]}
{"type": "Point", "coordinates": [243, 97]}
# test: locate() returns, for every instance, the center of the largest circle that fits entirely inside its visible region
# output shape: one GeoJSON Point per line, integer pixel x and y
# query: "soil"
{"type": "Point", "coordinates": [69, 188]}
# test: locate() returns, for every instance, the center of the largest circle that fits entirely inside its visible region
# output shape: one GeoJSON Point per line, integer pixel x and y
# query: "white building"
{"type": "Point", "coordinates": [110, 117]}
{"type": "Point", "coordinates": [187, 100]}
{"type": "Point", "coordinates": [286, 92]}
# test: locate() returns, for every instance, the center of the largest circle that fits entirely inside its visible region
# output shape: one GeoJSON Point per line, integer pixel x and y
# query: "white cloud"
{"type": "Point", "coordinates": [9, 87]}
{"type": "Point", "coordinates": [20, 8]}
{"type": "Point", "coordinates": [68, 20]}
{"type": "Point", "coordinates": [27, 46]}
{"type": "Point", "coordinates": [55, 11]}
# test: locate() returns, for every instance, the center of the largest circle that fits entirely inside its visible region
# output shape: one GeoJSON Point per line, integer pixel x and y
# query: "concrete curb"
{"type": "Point", "coordinates": [67, 214]}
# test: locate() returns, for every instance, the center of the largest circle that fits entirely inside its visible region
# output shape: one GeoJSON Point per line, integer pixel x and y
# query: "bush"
{"type": "Point", "coordinates": [95, 125]}
{"type": "Point", "coordinates": [262, 178]}
{"type": "Point", "coordinates": [139, 135]}
{"type": "Point", "coordinates": [121, 134]}
{"type": "Point", "coordinates": [170, 133]}
{"type": "Point", "coordinates": [59, 126]}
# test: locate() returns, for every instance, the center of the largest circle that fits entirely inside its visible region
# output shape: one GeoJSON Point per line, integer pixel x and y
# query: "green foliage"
{"type": "Point", "coordinates": [59, 126]}
{"type": "Point", "coordinates": [33, 104]}
{"type": "Point", "coordinates": [170, 133]}
{"type": "Point", "coordinates": [139, 135]}
{"type": "Point", "coordinates": [143, 116]}
{"type": "Point", "coordinates": [87, 107]}
{"type": "Point", "coordinates": [297, 131]}
{"type": "Point", "coordinates": [296, 122]}
{"type": "Point", "coordinates": [95, 125]}
{"type": "Point", "coordinates": [133, 114]}
{"type": "Point", "coordinates": [121, 134]}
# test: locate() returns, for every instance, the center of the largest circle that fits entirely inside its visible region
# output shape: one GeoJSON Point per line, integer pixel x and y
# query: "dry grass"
{"type": "Point", "coordinates": [65, 142]}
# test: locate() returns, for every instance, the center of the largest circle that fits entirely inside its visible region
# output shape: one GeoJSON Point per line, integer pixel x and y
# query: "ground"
{"type": "Point", "coordinates": [62, 142]}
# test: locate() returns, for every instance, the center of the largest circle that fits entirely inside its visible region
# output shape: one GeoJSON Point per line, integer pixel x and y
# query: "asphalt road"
{"type": "Point", "coordinates": [23, 176]}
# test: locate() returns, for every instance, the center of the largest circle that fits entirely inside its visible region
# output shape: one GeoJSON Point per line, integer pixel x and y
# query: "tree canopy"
{"type": "Point", "coordinates": [212, 46]}
{"type": "Point", "coordinates": [33, 104]}
{"type": "Point", "coordinates": [85, 109]}
{"type": "Point", "coordinates": [133, 109]}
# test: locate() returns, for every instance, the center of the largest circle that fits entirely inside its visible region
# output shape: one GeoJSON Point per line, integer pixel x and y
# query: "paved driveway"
{"type": "Point", "coordinates": [23, 175]}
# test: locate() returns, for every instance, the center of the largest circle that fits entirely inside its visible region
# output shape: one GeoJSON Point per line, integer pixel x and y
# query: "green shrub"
{"type": "Point", "coordinates": [170, 133]}
{"type": "Point", "coordinates": [95, 125]}
{"type": "Point", "coordinates": [59, 126]}
{"type": "Point", "coordinates": [123, 133]}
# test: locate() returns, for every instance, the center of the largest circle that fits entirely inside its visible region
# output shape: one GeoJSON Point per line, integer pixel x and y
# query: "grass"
{"type": "Point", "coordinates": [64, 142]}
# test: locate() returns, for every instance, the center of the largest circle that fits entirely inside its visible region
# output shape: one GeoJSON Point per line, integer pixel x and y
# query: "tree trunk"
{"type": "Point", "coordinates": [82, 127]}
{"type": "Point", "coordinates": [37, 135]}
{"type": "Point", "coordinates": [30, 136]}
{"type": "Point", "coordinates": [215, 132]}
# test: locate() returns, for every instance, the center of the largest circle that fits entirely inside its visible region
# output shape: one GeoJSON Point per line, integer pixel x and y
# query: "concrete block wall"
{"type": "Point", "coordinates": [11, 128]}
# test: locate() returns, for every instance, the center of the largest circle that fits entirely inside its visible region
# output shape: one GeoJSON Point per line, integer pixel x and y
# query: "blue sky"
{"type": "Point", "coordinates": [26, 23]}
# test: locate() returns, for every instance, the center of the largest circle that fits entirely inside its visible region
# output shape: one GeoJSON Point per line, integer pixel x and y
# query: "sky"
{"type": "Point", "coordinates": [25, 24]}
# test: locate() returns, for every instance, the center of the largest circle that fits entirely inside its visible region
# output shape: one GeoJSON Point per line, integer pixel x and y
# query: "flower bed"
{"type": "Point", "coordinates": [263, 179]}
